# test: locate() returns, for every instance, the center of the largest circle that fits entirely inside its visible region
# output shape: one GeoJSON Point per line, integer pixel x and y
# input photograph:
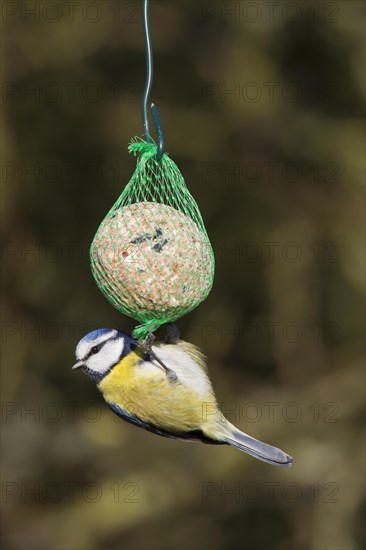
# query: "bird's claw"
{"type": "Point", "coordinates": [172, 334]}
{"type": "Point", "coordinates": [147, 346]}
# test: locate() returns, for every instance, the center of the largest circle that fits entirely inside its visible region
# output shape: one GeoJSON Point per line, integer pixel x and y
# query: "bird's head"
{"type": "Point", "coordinates": [100, 350]}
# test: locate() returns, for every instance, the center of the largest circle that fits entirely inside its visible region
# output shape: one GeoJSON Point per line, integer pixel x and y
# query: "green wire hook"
{"type": "Point", "coordinates": [147, 90]}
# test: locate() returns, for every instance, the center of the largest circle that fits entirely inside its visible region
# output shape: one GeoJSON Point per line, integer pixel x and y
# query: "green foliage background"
{"type": "Point", "coordinates": [73, 130]}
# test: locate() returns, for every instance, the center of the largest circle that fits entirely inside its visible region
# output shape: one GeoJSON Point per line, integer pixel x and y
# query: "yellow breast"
{"type": "Point", "coordinates": [143, 390]}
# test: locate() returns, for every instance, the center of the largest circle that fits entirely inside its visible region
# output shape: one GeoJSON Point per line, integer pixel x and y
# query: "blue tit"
{"type": "Point", "coordinates": [135, 385]}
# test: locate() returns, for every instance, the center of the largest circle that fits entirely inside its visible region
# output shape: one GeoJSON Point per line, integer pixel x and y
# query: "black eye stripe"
{"type": "Point", "coordinates": [91, 352]}
{"type": "Point", "coordinates": [100, 346]}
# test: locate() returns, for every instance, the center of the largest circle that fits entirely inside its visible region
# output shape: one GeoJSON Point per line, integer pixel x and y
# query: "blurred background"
{"type": "Point", "coordinates": [263, 109]}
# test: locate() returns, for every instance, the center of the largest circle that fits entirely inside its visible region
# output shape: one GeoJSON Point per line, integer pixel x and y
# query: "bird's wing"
{"type": "Point", "coordinates": [193, 435]}
{"type": "Point", "coordinates": [192, 351]}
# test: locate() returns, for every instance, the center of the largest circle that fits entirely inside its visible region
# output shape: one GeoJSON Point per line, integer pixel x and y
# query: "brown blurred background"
{"type": "Point", "coordinates": [263, 107]}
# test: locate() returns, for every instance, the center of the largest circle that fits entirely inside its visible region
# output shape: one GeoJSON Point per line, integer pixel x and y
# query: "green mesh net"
{"type": "Point", "coordinates": [151, 256]}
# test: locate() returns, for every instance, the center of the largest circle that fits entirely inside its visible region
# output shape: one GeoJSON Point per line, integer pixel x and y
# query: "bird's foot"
{"type": "Point", "coordinates": [172, 334]}
{"type": "Point", "coordinates": [147, 346]}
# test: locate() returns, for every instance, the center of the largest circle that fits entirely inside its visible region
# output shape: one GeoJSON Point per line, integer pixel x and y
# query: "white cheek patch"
{"type": "Point", "coordinates": [108, 356]}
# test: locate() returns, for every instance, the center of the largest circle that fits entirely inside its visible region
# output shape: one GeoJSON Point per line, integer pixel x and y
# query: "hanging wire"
{"type": "Point", "coordinates": [148, 86]}
{"type": "Point", "coordinates": [149, 70]}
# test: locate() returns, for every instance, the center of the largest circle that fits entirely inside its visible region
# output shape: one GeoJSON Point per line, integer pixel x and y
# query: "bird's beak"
{"type": "Point", "coordinates": [78, 364]}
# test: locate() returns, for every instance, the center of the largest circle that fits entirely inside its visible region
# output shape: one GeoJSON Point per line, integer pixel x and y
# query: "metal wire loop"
{"type": "Point", "coordinates": [147, 90]}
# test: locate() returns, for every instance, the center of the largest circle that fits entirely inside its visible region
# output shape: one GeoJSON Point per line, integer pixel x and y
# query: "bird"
{"type": "Point", "coordinates": [165, 389]}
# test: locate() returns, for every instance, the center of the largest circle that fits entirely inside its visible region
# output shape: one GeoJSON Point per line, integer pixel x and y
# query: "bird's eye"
{"type": "Point", "coordinates": [95, 349]}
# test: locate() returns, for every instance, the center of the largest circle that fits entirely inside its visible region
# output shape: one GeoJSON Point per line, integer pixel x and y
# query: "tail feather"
{"type": "Point", "coordinates": [256, 448]}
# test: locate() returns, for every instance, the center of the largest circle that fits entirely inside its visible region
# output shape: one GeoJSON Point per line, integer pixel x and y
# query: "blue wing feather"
{"type": "Point", "coordinates": [125, 415]}
{"type": "Point", "coordinates": [192, 435]}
